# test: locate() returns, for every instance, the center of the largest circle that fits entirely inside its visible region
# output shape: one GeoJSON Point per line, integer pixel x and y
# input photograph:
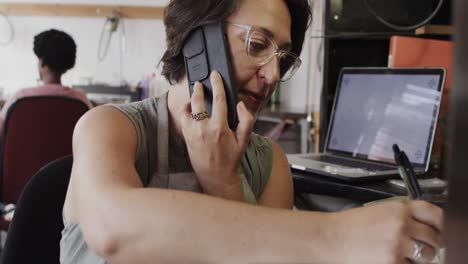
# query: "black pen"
{"type": "Point", "coordinates": [407, 173]}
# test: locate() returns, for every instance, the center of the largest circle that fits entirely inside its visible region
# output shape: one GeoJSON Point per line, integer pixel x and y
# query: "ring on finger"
{"type": "Point", "coordinates": [418, 249]}
{"type": "Point", "coordinates": [200, 116]}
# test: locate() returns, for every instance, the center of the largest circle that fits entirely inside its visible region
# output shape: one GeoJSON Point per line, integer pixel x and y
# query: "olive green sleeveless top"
{"type": "Point", "coordinates": [162, 162]}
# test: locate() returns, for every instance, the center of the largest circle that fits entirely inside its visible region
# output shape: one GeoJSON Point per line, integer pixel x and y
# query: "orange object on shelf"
{"type": "Point", "coordinates": [423, 52]}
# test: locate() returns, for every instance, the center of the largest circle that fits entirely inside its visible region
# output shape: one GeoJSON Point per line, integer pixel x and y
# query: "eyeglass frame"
{"type": "Point", "coordinates": [277, 52]}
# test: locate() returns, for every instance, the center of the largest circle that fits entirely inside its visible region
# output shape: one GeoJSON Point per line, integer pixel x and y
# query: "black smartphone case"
{"type": "Point", "coordinates": [205, 50]}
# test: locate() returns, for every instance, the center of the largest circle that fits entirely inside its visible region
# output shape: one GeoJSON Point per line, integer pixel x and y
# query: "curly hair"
{"type": "Point", "coordinates": [56, 49]}
{"type": "Point", "coordinates": [182, 16]}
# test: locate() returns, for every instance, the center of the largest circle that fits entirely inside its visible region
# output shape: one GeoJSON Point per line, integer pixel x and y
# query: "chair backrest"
{"type": "Point", "coordinates": [37, 130]}
{"type": "Point", "coordinates": [35, 232]}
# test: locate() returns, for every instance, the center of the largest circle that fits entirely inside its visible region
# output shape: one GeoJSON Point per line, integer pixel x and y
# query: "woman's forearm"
{"type": "Point", "coordinates": [165, 226]}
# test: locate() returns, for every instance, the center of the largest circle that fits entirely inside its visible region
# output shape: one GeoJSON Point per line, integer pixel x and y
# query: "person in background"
{"type": "Point", "coordinates": [160, 181]}
{"type": "Point", "coordinates": [56, 54]}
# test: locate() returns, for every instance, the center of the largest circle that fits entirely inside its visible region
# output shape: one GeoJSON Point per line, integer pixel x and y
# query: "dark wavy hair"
{"type": "Point", "coordinates": [56, 49]}
{"type": "Point", "coordinates": [182, 16]}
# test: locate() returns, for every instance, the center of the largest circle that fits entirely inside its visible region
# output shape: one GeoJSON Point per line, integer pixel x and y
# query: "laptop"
{"type": "Point", "coordinates": [375, 108]}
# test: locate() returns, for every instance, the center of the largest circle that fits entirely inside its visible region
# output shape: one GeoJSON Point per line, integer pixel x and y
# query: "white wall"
{"type": "Point", "coordinates": [96, 2]}
{"type": "Point", "coordinates": [145, 45]}
{"type": "Point", "coordinates": [305, 88]}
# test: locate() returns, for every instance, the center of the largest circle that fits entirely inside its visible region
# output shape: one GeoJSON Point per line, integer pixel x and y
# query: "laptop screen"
{"type": "Point", "coordinates": [376, 108]}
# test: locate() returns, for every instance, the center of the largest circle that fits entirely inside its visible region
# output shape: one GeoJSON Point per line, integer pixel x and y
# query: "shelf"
{"type": "Point", "coordinates": [33, 9]}
{"type": "Point", "coordinates": [435, 30]}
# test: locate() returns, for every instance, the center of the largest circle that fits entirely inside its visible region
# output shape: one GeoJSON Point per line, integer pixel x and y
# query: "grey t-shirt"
{"type": "Point", "coordinates": [162, 162]}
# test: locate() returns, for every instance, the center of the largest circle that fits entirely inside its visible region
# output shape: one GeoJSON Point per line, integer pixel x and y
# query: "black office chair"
{"type": "Point", "coordinates": [35, 232]}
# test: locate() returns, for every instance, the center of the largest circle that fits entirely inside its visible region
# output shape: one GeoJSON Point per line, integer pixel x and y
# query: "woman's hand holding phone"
{"type": "Point", "coordinates": [215, 150]}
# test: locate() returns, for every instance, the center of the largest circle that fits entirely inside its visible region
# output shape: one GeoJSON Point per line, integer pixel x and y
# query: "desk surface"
{"type": "Point", "coordinates": [362, 192]}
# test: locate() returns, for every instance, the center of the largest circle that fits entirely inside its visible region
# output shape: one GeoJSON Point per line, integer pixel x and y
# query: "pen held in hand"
{"type": "Point", "coordinates": [406, 172]}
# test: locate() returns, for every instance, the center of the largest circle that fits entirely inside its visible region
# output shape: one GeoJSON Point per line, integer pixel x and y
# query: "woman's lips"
{"type": "Point", "coordinates": [253, 100]}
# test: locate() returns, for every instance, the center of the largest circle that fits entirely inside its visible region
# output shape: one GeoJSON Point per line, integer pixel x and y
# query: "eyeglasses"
{"type": "Point", "coordinates": [261, 49]}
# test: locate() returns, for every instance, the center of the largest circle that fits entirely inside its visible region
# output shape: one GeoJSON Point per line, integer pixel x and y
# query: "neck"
{"type": "Point", "coordinates": [52, 78]}
{"type": "Point", "coordinates": [178, 97]}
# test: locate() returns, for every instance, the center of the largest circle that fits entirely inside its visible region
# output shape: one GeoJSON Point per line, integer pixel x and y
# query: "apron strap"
{"type": "Point", "coordinates": [161, 176]}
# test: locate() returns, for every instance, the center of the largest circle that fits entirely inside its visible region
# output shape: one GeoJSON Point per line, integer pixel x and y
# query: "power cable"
{"type": "Point", "coordinates": [400, 27]}
{"type": "Point", "coordinates": [110, 26]}
{"type": "Point", "coordinates": [12, 30]}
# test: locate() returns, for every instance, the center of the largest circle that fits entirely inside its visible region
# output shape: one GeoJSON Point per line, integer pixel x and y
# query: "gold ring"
{"type": "Point", "coordinates": [200, 116]}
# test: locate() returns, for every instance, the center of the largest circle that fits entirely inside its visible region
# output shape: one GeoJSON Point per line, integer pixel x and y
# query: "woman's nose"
{"type": "Point", "coordinates": [270, 71]}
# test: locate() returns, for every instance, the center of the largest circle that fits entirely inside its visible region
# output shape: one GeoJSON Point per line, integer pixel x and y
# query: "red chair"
{"type": "Point", "coordinates": [37, 131]}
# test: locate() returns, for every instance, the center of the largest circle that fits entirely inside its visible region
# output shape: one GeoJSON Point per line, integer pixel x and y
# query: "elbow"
{"type": "Point", "coordinates": [103, 242]}
{"type": "Point", "coordinates": [103, 233]}
{"type": "Point", "coordinates": [100, 233]}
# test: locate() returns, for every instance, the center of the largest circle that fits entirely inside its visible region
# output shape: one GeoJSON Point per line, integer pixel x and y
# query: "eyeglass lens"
{"type": "Point", "coordinates": [262, 49]}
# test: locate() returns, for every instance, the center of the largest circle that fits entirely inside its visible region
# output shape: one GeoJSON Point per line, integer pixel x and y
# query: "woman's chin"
{"type": "Point", "coordinates": [253, 109]}
{"type": "Point", "coordinates": [253, 106]}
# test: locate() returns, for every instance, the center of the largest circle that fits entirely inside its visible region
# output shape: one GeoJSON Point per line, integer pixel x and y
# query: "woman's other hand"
{"type": "Point", "coordinates": [390, 232]}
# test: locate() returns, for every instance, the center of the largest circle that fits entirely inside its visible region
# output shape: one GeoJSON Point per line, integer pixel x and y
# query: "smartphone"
{"type": "Point", "coordinates": [205, 50]}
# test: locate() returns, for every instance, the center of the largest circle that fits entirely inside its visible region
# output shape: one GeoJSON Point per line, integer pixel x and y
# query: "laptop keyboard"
{"type": "Point", "coordinates": [353, 163]}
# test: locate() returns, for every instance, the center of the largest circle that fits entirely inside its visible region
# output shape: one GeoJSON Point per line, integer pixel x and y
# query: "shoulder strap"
{"type": "Point", "coordinates": [161, 176]}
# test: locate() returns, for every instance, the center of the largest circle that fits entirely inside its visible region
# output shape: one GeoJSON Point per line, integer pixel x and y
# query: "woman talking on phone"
{"type": "Point", "coordinates": [162, 181]}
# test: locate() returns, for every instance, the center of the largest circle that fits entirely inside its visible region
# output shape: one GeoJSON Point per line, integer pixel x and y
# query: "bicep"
{"type": "Point", "coordinates": [104, 146]}
{"type": "Point", "coordinates": [279, 191]}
